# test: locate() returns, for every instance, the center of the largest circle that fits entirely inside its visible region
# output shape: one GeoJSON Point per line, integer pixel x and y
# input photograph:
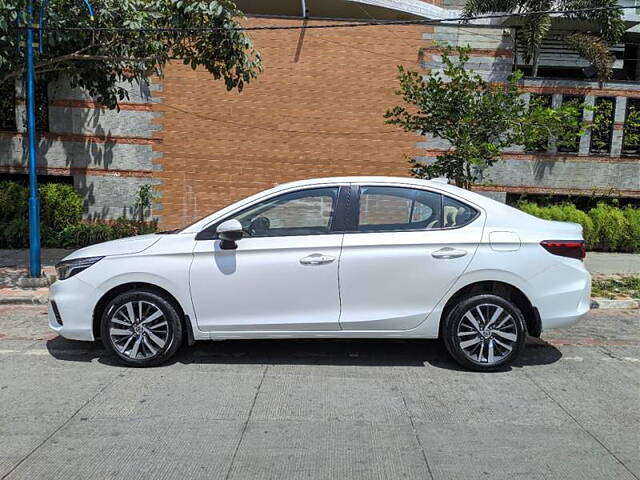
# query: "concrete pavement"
{"type": "Point", "coordinates": [321, 409]}
{"type": "Point", "coordinates": [601, 263]}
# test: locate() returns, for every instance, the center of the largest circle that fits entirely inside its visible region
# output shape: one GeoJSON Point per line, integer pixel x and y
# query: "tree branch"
{"type": "Point", "coordinates": [77, 55]}
{"type": "Point", "coordinates": [113, 59]}
{"type": "Point", "coordinates": [53, 61]}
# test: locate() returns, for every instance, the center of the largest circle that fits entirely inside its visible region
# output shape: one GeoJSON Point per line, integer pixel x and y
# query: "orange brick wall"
{"type": "Point", "coordinates": [315, 111]}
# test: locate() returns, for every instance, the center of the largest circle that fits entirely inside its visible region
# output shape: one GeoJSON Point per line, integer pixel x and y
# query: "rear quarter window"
{"type": "Point", "coordinates": [457, 214]}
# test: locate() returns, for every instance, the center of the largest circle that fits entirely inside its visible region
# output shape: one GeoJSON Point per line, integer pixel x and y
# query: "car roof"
{"type": "Point", "coordinates": [362, 179]}
{"type": "Point", "coordinates": [438, 185]}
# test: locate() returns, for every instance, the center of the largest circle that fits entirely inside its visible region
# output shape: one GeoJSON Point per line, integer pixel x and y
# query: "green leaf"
{"type": "Point", "coordinates": [121, 56]}
{"type": "Point", "coordinates": [478, 119]}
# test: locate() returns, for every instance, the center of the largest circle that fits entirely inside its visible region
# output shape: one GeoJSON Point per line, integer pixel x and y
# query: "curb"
{"type": "Point", "coordinates": [606, 304]}
{"type": "Point", "coordinates": [24, 300]}
{"type": "Point", "coordinates": [36, 282]}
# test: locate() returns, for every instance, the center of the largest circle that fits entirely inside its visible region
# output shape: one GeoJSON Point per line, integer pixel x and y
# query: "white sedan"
{"type": "Point", "coordinates": [352, 257]}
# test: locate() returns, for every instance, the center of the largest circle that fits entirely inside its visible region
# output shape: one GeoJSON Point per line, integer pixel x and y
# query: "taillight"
{"type": "Point", "coordinates": [566, 248]}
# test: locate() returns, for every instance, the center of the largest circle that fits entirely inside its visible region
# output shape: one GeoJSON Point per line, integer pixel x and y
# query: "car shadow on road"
{"type": "Point", "coordinates": [372, 353]}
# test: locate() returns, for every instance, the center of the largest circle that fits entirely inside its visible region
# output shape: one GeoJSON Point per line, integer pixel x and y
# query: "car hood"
{"type": "Point", "coordinates": [122, 246]}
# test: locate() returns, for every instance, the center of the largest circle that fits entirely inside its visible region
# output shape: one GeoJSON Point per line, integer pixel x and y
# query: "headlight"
{"type": "Point", "coordinates": [70, 267]}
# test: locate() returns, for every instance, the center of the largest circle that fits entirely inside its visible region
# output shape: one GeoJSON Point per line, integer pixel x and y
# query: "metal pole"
{"type": "Point", "coordinates": [34, 202]}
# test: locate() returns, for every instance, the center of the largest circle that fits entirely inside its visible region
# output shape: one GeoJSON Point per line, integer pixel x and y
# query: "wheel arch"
{"type": "Point", "coordinates": [504, 290]}
{"type": "Point", "coordinates": [126, 287]}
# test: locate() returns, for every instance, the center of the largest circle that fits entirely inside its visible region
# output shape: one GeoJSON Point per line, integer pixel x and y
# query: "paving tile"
{"type": "Point", "coordinates": [328, 450]}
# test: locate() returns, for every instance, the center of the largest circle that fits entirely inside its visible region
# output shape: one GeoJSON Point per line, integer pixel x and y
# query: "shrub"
{"type": "Point", "coordinates": [632, 215]}
{"type": "Point", "coordinates": [84, 234]}
{"type": "Point", "coordinates": [15, 233]}
{"type": "Point", "coordinates": [60, 205]}
{"type": "Point", "coordinates": [605, 227]}
{"type": "Point", "coordinates": [532, 209]}
{"type": "Point", "coordinates": [60, 219]}
{"type": "Point", "coordinates": [572, 214]}
{"type": "Point", "coordinates": [610, 227]}
{"type": "Point", "coordinates": [13, 202]}
{"type": "Point", "coordinates": [566, 212]}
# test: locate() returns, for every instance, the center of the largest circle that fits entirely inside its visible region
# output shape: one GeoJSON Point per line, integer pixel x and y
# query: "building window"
{"type": "Point", "coordinates": [631, 65]}
{"type": "Point", "coordinates": [602, 128]}
{"type": "Point", "coordinates": [571, 143]}
{"type": "Point", "coordinates": [8, 106]}
{"type": "Point", "coordinates": [631, 132]}
{"type": "Point", "coordinates": [541, 144]}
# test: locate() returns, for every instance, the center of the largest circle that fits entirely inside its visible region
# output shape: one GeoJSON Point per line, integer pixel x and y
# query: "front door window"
{"type": "Point", "coordinates": [307, 212]}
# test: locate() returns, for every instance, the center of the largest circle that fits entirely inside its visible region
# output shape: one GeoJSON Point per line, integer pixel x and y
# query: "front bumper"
{"type": "Point", "coordinates": [75, 301]}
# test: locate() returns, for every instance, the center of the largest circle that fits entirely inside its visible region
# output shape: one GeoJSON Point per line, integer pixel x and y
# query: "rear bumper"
{"type": "Point", "coordinates": [565, 294]}
{"type": "Point", "coordinates": [75, 301]}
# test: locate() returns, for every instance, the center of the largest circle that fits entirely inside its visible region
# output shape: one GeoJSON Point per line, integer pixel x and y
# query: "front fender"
{"type": "Point", "coordinates": [179, 292]}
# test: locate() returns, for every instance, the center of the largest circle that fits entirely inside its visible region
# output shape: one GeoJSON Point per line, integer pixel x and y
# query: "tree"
{"type": "Point", "coordinates": [97, 59]}
{"type": "Point", "coordinates": [477, 118]}
{"type": "Point", "coordinates": [592, 45]}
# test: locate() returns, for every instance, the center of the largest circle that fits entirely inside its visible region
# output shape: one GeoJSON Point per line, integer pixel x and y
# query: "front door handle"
{"type": "Point", "coordinates": [317, 259]}
{"type": "Point", "coordinates": [448, 252]}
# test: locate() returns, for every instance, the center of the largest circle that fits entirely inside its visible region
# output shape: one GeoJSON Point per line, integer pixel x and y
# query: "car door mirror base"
{"type": "Point", "coordinates": [228, 245]}
{"type": "Point", "coordinates": [229, 233]}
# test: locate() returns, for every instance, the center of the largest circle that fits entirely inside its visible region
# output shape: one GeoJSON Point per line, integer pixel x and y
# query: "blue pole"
{"type": "Point", "coordinates": [34, 203]}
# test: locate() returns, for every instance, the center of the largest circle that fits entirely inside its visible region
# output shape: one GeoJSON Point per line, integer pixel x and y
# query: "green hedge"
{"type": "Point", "coordinates": [84, 234]}
{"type": "Point", "coordinates": [606, 228]}
{"type": "Point", "coordinates": [60, 219]}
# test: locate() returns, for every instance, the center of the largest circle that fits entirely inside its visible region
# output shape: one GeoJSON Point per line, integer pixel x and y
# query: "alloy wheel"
{"type": "Point", "coordinates": [487, 334]}
{"type": "Point", "coordinates": [139, 330]}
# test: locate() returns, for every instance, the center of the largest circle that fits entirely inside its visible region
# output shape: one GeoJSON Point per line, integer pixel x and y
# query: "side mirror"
{"type": "Point", "coordinates": [229, 233]}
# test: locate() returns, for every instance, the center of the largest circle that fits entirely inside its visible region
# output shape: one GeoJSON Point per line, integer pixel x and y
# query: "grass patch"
{"type": "Point", "coordinates": [616, 287]}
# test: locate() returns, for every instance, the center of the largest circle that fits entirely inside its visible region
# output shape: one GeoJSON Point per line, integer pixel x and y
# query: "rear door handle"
{"type": "Point", "coordinates": [317, 259]}
{"type": "Point", "coordinates": [448, 252]}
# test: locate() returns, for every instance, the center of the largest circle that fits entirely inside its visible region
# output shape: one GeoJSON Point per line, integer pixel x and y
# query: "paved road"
{"type": "Point", "coordinates": [321, 409]}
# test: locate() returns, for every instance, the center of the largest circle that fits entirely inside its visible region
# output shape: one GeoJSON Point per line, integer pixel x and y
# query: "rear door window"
{"type": "Point", "coordinates": [385, 209]}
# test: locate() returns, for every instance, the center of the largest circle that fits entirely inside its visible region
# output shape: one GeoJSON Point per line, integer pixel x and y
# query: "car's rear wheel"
{"type": "Point", "coordinates": [484, 332]}
{"type": "Point", "coordinates": [141, 328]}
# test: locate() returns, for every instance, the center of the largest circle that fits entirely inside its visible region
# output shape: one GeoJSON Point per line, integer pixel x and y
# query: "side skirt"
{"type": "Point", "coordinates": [306, 334]}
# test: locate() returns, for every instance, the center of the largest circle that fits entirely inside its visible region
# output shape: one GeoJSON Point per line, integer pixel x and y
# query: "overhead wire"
{"type": "Point", "coordinates": [271, 129]}
{"type": "Point", "coordinates": [453, 21]}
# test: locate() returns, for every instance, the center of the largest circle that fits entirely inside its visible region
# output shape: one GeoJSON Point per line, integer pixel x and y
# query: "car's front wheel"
{"type": "Point", "coordinates": [484, 332]}
{"type": "Point", "coordinates": [141, 328]}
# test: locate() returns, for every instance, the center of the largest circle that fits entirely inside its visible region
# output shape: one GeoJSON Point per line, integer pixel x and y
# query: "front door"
{"type": "Point", "coordinates": [409, 247]}
{"type": "Point", "coordinates": [282, 276]}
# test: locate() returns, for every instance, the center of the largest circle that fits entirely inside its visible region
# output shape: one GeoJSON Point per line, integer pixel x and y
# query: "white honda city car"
{"type": "Point", "coordinates": [352, 257]}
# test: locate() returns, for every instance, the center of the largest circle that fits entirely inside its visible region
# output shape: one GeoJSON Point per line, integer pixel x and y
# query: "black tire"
{"type": "Point", "coordinates": [147, 334]}
{"type": "Point", "coordinates": [459, 332]}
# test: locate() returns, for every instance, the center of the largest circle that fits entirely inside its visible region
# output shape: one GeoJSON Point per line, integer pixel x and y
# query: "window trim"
{"type": "Point", "coordinates": [209, 232]}
{"type": "Point", "coordinates": [413, 187]}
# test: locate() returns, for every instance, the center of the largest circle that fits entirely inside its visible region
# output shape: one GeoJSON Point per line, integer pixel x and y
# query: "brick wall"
{"type": "Point", "coordinates": [315, 111]}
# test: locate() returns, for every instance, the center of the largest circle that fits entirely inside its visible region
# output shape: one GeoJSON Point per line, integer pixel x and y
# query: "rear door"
{"type": "Point", "coordinates": [408, 247]}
